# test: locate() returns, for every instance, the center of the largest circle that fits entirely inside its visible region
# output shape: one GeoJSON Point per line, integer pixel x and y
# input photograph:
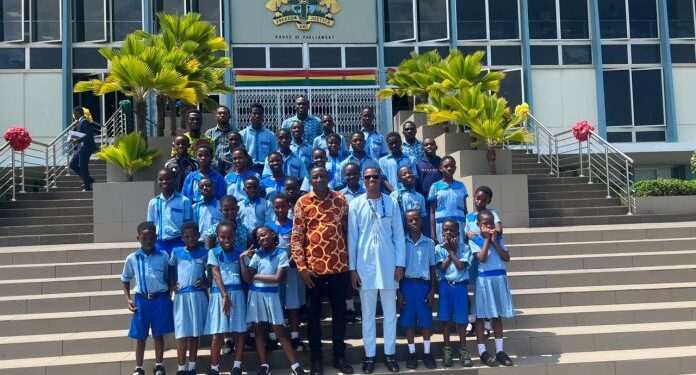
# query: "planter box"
{"type": "Point", "coordinates": [164, 144]}
{"type": "Point", "coordinates": [473, 162]}
{"type": "Point", "coordinates": [681, 204]}
{"type": "Point", "coordinates": [450, 143]}
{"type": "Point", "coordinates": [510, 197]}
{"type": "Point", "coordinates": [118, 209]}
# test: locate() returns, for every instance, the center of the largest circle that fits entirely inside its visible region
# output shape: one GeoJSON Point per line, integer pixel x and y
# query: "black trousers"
{"type": "Point", "coordinates": [335, 287]}
{"type": "Point", "coordinates": [79, 163]}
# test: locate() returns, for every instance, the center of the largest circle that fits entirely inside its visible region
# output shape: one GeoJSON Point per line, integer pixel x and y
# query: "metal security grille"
{"type": "Point", "coordinates": [344, 104]}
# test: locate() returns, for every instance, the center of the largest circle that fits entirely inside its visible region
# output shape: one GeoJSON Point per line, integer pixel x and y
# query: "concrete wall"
{"type": "Point", "coordinates": [684, 83]}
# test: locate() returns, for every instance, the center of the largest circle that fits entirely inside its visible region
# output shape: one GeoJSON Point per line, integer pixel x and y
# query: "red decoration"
{"type": "Point", "coordinates": [581, 130]}
{"type": "Point", "coordinates": [18, 138]}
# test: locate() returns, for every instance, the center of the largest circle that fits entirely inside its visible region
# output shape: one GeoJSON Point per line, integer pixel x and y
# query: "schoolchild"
{"type": "Point", "coordinates": [149, 299]}
{"type": "Point", "coordinates": [334, 160]}
{"type": "Point", "coordinates": [223, 162]}
{"type": "Point", "coordinates": [293, 166]}
{"type": "Point", "coordinates": [190, 190]}
{"type": "Point", "coordinates": [235, 179]}
{"type": "Point", "coordinates": [353, 189]}
{"type": "Point", "coordinates": [447, 199]}
{"type": "Point", "coordinates": [258, 140]}
{"type": "Point", "coordinates": [253, 209]}
{"type": "Point", "coordinates": [227, 306]}
{"type": "Point", "coordinates": [328, 127]}
{"type": "Point", "coordinates": [194, 123]}
{"type": "Point", "coordinates": [406, 196]}
{"type": "Point", "coordinates": [390, 164]}
{"type": "Point", "coordinates": [264, 269]}
{"type": "Point", "coordinates": [358, 154]}
{"type": "Point", "coordinates": [292, 191]}
{"type": "Point", "coordinates": [416, 294]}
{"type": "Point", "coordinates": [182, 163]}
{"type": "Point", "coordinates": [191, 298]}
{"type": "Point", "coordinates": [376, 145]}
{"type": "Point", "coordinates": [492, 297]}
{"type": "Point", "coordinates": [412, 147]}
{"type": "Point", "coordinates": [299, 146]}
{"type": "Point", "coordinates": [275, 182]}
{"type": "Point", "coordinates": [206, 213]}
{"type": "Point", "coordinates": [453, 259]}
{"type": "Point", "coordinates": [428, 168]}
{"type": "Point", "coordinates": [168, 211]}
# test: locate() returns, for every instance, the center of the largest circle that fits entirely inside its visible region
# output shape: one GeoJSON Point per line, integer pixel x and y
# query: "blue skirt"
{"type": "Point", "coordinates": [190, 313]}
{"type": "Point", "coordinates": [292, 292]}
{"type": "Point", "coordinates": [264, 307]}
{"type": "Point", "coordinates": [218, 322]}
{"type": "Point", "coordinates": [492, 297]}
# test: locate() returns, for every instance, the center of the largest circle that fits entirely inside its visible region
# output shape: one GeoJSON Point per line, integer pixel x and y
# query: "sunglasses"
{"type": "Point", "coordinates": [371, 177]}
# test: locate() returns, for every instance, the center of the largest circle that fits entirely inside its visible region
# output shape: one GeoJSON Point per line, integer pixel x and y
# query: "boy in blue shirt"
{"type": "Point", "coordinates": [254, 210]}
{"type": "Point", "coordinates": [391, 163]}
{"type": "Point", "coordinates": [428, 168]}
{"type": "Point", "coordinates": [299, 146]}
{"type": "Point", "coordinates": [406, 196]}
{"type": "Point", "coordinates": [351, 173]}
{"type": "Point", "coordinates": [334, 160]}
{"type": "Point", "coordinates": [258, 140]}
{"type": "Point", "coordinates": [168, 211]}
{"type": "Point", "coordinates": [275, 182]}
{"type": "Point", "coordinates": [206, 213]}
{"type": "Point", "coordinates": [293, 166]}
{"type": "Point", "coordinates": [358, 154]}
{"type": "Point", "coordinates": [204, 155]}
{"type": "Point", "coordinates": [151, 307]}
{"type": "Point", "coordinates": [416, 295]}
{"type": "Point", "coordinates": [321, 141]}
{"type": "Point", "coordinates": [376, 144]}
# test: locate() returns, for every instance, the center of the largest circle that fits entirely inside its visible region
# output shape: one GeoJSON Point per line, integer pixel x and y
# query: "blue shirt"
{"type": "Point", "coordinates": [303, 151]}
{"type": "Point", "coordinates": [312, 126]}
{"type": "Point", "coordinates": [235, 183]}
{"type": "Point", "coordinates": [409, 200]}
{"type": "Point", "coordinates": [390, 165]}
{"type": "Point", "coordinates": [471, 217]}
{"type": "Point", "coordinates": [376, 244]}
{"type": "Point", "coordinates": [420, 256]}
{"type": "Point", "coordinates": [190, 189]}
{"type": "Point", "coordinates": [428, 174]}
{"type": "Point", "coordinates": [169, 214]}
{"type": "Point", "coordinates": [449, 199]}
{"type": "Point", "coordinates": [321, 142]}
{"type": "Point", "coordinates": [375, 144]}
{"type": "Point", "coordinates": [151, 272]}
{"type": "Point", "coordinates": [241, 234]}
{"type": "Point", "coordinates": [494, 262]}
{"type": "Point", "coordinates": [258, 143]}
{"type": "Point", "coordinates": [228, 263]}
{"type": "Point", "coordinates": [364, 163]}
{"type": "Point", "coordinates": [452, 273]}
{"type": "Point", "coordinates": [283, 232]}
{"type": "Point", "coordinates": [272, 186]}
{"type": "Point", "coordinates": [268, 263]}
{"type": "Point", "coordinates": [256, 213]}
{"type": "Point", "coordinates": [293, 166]}
{"type": "Point", "coordinates": [413, 151]}
{"type": "Point", "coordinates": [207, 215]}
{"type": "Point", "coordinates": [333, 167]}
{"type": "Point", "coordinates": [350, 194]}
{"type": "Point", "coordinates": [190, 265]}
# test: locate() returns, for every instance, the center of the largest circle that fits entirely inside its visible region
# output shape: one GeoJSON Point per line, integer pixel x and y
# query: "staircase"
{"type": "Point", "coordinates": [62, 215]}
{"type": "Point", "coordinates": [604, 300]}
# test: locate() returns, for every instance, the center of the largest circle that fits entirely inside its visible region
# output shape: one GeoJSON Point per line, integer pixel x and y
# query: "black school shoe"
{"type": "Point", "coordinates": [317, 366]}
{"type": "Point", "coordinates": [298, 371]}
{"type": "Point", "coordinates": [227, 348]}
{"type": "Point", "coordinates": [391, 363]}
{"type": "Point", "coordinates": [429, 361]}
{"type": "Point", "coordinates": [351, 316]}
{"type": "Point", "coordinates": [368, 366]}
{"type": "Point", "coordinates": [298, 345]}
{"type": "Point", "coordinates": [213, 372]}
{"type": "Point", "coordinates": [488, 359]}
{"type": "Point", "coordinates": [412, 361]}
{"type": "Point", "coordinates": [264, 371]}
{"type": "Point", "coordinates": [342, 365]}
{"type": "Point", "coordinates": [138, 371]}
{"type": "Point", "coordinates": [504, 359]}
{"type": "Point", "coordinates": [182, 372]}
{"type": "Point", "coordinates": [159, 370]}
{"type": "Point", "coordinates": [236, 371]}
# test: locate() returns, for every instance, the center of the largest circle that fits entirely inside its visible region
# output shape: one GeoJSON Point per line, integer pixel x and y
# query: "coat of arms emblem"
{"type": "Point", "coordinates": [304, 12]}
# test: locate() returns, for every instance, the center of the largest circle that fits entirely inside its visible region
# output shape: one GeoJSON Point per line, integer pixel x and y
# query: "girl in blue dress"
{"type": "Point", "coordinates": [447, 199]}
{"type": "Point", "coordinates": [492, 297]}
{"type": "Point", "coordinates": [227, 307]}
{"type": "Point", "coordinates": [264, 272]}
{"type": "Point", "coordinates": [275, 182]}
{"type": "Point", "coordinates": [235, 179]}
{"type": "Point", "coordinates": [191, 297]}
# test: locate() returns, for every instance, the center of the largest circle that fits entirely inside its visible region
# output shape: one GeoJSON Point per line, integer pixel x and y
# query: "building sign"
{"type": "Point", "coordinates": [303, 21]}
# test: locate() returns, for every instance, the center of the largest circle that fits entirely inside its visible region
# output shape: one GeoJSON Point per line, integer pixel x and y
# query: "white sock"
{"type": "Point", "coordinates": [294, 335]}
{"type": "Point", "coordinates": [481, 348]}
{"type": "Point", "coordinates": [229, 339]}
{"type": "Point", "coordinates": [472, 318]}
{"type": "Point", "coordinates": [426, 347]}
{"type": "Point", "coordinates": [487, 325]}
{"type": "Point", "coordinates": [192, 366]}
{"type": "Point", "coordinates": [295, 365]}
{"type": "Point", "coordinates": [350, 305]}
{"type": "Point", "coordinates": [499, 345]}
{"type": "Point", "coordinates": [265, 365]}
{"type": "Point", "coordinates": [216, 367]}
{"type": "Point", "coordinates": [237, 364]}
{"type": "Point", "coordinates": [182, 368]}
{"type": "Point", "coordinates": [412, 348]}
{"type": "Point", "coordinates": [159, 364]}
{"type": "Point", "coordinates": [272, 336]}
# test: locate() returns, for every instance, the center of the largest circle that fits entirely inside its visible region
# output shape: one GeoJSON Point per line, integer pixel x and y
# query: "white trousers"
{"type": "Point", "coordinates": [368, 301]}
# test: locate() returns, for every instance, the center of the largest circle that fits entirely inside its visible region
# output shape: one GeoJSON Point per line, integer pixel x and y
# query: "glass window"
{"type": "Point", "coordinates": [503, 16]}
{"type": "Point", "coordinates": [645, 53]}
{"type": "Point", "coordinates": [681, 18]}
{"type": "Point", "coordinates": [443, 51]}
{"type": "Point", "coordinates": [643, 18]}
{"type": "Point", "coordinates": [88, 58]}
{"type": "Point", "coordinates": [432, 19]}
{"type": "Point", "coordinates": [393, 56]}
{"type": "Point", "coordinates": [574, 23]}
{"type": "Point", "coordinates": [89, 20]}
{"type": "Point", "coordinates": [210, 11]}
{"type": "Point", "coordinates": [45, 20]}
{"type": "Point", "coordinates": [614, 54]}
{"type": "Point", "coordinates": [542, 19]}
{"type": "Point", "coordinates": [170, 6]}
{"type": "Point", "coordinates": [650, 136]}
{"type": "Point", "coordinates": [126, 17]}
{"type": "Point", "coordinates": [12, 58]}
{"type": "Point", "coordinates": [612, 19]}
{"type": "Point", "coordinates": [361, 57]}
{"type": "Point", "coordinates": [620, 137]}
{"type": "Point", "coordinates": [471, 19]}
{"type": "Point", "coordinates": [325, 57]}
{"type": "Point", "coordinates": [506, 55]}
{"type": "Point", "coordinates": [398, 20]}
{"type": "Point", "coordinates": [286, 57]}
{"type": "Point", "coordinates": [45, 58]}
{"type": "Point", "coordinates": [647, 95]}
{"type": "Point", "coordinates": [544, 55]}
{"type": "Point", "coordinates": [617, 97]}
{"type": "Point", "coordinates": [249, 57]}
{"type": "Point", "coordinates": [683, 53]}
{"type": "Point", "coordinates": [577, 55]}
{"type": "Point", "coordinates": [511, 87]}
{"type": "Point", "coordinates": [11, 18]}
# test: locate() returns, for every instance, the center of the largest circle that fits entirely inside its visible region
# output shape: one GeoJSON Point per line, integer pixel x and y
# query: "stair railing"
{"type": "Point", "coordinates": [544, 144]}
{"type": "Point", "coordinates": [22, 171]}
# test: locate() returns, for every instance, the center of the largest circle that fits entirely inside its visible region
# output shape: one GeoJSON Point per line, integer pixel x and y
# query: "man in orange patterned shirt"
{"type": "Point", "coordinates": [318, 243]}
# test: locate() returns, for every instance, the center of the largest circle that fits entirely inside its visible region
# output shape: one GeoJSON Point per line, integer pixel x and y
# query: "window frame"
{"type": "Point", "coordinates": [627, 22]}
{"type": "Point", "coordinates": [447, 18]}
{"type": "Point", "coordinates": [188, 8]}
{"type": "Point", "coordinates": [60, 23]}
{"type": "Point", "coordinates": [414, 24]}
{"type": "Point", "coordinates": [106, 21]}
{"type": "Point", "coordinates": [22, 22]}
{"type": "Point", "coordinates": [693, 23]}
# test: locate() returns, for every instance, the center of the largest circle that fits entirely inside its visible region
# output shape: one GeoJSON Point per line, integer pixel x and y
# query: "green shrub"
{"type": "Point", "coordinates": [664, 187]}
{"type": "Point", "coordinates": [693, 164]}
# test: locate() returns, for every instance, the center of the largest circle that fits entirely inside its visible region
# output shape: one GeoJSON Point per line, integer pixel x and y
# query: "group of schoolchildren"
{"type": "Point", "coordinates": [218, 239]}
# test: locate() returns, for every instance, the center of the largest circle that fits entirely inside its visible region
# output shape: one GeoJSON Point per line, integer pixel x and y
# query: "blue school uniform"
{"type": "Point", "coordinates": [190, 303]}
{"type": "Point", "coordinates": [168, 215]}
{"type": "Point", "coordinates": [350, 194]}
{"type": "Point", "coordinates": [292, 291]}
{"type": "Point", "coordinates": [420, 257]}
{"type": "Point", "coordinates": [390, 165]}
{"type": "Point", "coordinates": [335, 172]}
{"type": "Point", "coordinates": [151, 294]}
{"type": "Point", "coordinates": [375, 144]}
{"type": "Point", "coordinates": [263, 302]}
{"type": "Point", "coordinates": [449, 200]}
{"type": "Point", "coordinates": [259, 143]}
{"type": "Point", "coordinates": [272, 187]}
{"type": "Point", "coordinates": [492, 298]}
{"type": "Point", "coordinates": [312, 126]}
{"type": "Point", "coordinates": [241, 236]}
{"type": "Point", "coordinates": [217, 321]}
{"type": "Point", "coordinates": [453, 302]}
{"type": "Point", "coordinates": [409, 200]}
{"type": "Point", "coordinates": [255, 213]}
{"type": "Point", "coordinates": [321, 142]}
{"type": "Point", "coordinates": [413, 151]}
{"type": "Point", "coordinates": [235, 183]}
{"type": "Point", "coordinates": [293, 166]}
{"type": "Point", "coordinates": [207, 215]}
{"type": "Point", "coordinates": [190, 189]}
{"type": "Point", "coordinates": [303, 151]}
{"type": "Point", "coordinates": [471, 226]}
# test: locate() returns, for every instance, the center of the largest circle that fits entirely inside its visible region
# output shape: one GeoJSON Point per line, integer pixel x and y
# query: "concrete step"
{"type": "Point", "coordinates": [553, 195]}
{"type": "Point", "coordinates": [601, 261]}
{"type": "Point", "coordinates": [589, 233]}
{"type": "Point", "coordinates": [24, 230]}
{"type": "Point", "coordinates": [46, 239]}
{"type": "Point", "coordinates": [56, 285]}
{"type": "Point", "coordinates": [608, 220]}
{"type": "Point", "coordinates": [574, 203]}
{"type": "Point", "coordinates": [55, 195]}
{"type": "Point", "coordinates": [47, 211]}
{"type": "Point", "coordinates": [66, 253]}
{"type": "Point", "coordinates": [46, 203]}
{"type": "Point", "coordinates": [576, 211]}
{"type": "Point", "coordinates": [566, 187]}
{"type": "Point", "coordinates": [553, 180]}
{"type": "Point", "coordinates": [46, 220]}
{"type": "Point", "coordinates": [49, 270]}
{"type": "Point", "coordinates": [613, 248]}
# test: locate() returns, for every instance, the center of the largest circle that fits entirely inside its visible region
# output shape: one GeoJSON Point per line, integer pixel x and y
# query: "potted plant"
{"type": "Point", "coordinates": [130, 153]}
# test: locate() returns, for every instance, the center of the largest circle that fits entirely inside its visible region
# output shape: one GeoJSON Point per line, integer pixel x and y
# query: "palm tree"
{"type": "Point", "coordinates": [130, 153]}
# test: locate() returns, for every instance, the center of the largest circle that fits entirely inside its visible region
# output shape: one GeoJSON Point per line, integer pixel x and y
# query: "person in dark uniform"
{"type": "Point", "coordinates": [79, 162]}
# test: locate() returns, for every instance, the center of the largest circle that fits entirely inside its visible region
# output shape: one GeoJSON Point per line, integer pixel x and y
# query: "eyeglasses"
{"type": "Point", "coordinates": [371, 177]}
